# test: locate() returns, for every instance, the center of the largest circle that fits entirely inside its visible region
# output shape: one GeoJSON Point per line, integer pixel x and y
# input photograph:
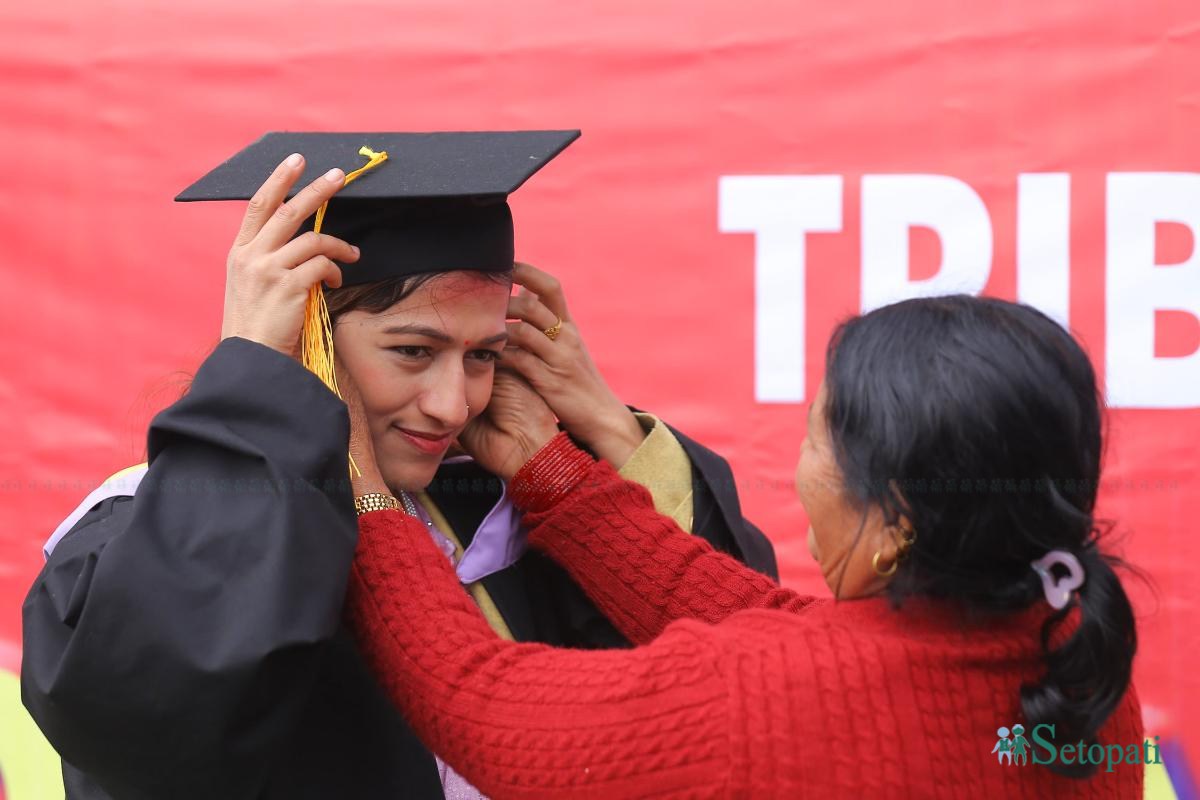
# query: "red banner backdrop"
{"type": "Point", "coordinates": [750, 173]}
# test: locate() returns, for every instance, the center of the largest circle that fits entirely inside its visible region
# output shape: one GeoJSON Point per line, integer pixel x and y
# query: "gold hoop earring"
{"type": "Point", "coordinates": [904, 543]}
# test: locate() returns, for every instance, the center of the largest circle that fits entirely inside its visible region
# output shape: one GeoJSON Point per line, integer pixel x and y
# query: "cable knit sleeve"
{"type": "Point", "coordinates": [636, 565]}
{"type": "Point", "coordinates": [528, 720]}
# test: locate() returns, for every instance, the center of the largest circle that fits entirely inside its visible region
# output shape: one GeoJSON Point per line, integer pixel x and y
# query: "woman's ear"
{"type": "Point", "coordinates": [882, 550]}
{"type": "Point", "coordinates": [867, 566]}
{"type": "Point", "coordinates": [885, 555]}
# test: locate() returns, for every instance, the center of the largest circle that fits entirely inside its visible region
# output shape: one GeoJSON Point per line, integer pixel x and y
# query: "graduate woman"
{"type": "Point", "coordinates": [949, 472]}
{"type": "Point", "coordinates": [185, 638]}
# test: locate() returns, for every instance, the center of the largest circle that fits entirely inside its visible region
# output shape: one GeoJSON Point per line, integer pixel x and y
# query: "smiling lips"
{"type": "Point", "coordinates": [428, 443]}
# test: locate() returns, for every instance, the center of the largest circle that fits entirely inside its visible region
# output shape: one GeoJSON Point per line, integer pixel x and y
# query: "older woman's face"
{"type": "Point", "coordinates": [424, 368]}
{"type": "Point", "coordinates": [834, 518]}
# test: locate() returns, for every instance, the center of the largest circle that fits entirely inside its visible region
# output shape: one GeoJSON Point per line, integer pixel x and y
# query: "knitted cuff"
{"type": "Point", "coordinates": [550, 475]}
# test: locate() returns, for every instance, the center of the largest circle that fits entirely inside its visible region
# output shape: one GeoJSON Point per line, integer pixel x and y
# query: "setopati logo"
{"type": "Point", "coordinates": [1012, 748]}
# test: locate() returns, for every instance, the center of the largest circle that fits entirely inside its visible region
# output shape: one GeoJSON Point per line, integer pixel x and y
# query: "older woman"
{"type": "Point", "coordinates": [949, 472]}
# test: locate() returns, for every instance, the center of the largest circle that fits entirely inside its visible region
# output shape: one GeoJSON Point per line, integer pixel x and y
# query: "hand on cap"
{"type": "Point", "coordinates": [562, 371]}
{"type": "Point", "coordinates": [268, 274]}
{"type": "Point", "coordinates": [516, 424]}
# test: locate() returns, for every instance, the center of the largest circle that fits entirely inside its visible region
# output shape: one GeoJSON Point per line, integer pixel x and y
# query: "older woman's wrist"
{"type": "Point", "coordinates": [367, 481]}
{"type": "Point", "coordinates": [614, 436]}
{"type": "Point", "coordinates": [549, 475]}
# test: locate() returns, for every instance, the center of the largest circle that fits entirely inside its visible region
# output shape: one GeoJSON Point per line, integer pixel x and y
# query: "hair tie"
{"type": "Point", "coordinates": [1058, 590]}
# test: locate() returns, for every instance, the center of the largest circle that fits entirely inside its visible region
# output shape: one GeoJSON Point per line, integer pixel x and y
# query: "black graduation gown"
{"type": "Point", "coordinates": [188, 642]}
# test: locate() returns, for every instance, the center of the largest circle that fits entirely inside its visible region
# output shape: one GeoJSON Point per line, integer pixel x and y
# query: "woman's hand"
{"type": "Point", "coordinates": [516, 424]}
{"type": "Point", "coordinates": [367, 479]}
{"type": "Point", "coordinates": [269, 274]}
{"type": "Point", "coordinates": [561, 370]}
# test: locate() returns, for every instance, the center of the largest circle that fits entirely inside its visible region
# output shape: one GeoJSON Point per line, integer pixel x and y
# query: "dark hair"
{"type": "Point", "coordinates": [379, 296]}
{"type": "Point", "coordinates": [980, 421]}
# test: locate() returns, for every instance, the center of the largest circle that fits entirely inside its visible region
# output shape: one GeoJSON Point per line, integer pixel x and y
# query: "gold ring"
{"type": "Point", "coordinates": [553, 331]}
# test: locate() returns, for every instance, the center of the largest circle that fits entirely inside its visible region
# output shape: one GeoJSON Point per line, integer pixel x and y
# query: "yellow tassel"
{"type": "Point", "coordinates": [316, 338]}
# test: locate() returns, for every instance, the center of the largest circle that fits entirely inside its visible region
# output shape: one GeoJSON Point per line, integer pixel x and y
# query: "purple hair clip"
{"type": "Point", "coordinates": [1058, 590]}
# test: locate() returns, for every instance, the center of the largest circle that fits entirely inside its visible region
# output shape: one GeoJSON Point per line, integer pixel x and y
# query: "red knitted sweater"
{"type": "Point", "coordinates": [738, 688]}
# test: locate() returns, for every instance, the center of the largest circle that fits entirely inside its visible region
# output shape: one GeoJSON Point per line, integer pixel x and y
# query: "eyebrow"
{"type": "Point", "coordinates": [440, 336]}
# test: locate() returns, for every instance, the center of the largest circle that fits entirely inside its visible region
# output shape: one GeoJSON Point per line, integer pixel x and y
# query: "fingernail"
{"type": "Point", "coordinates": [294, 160]}
{"type": "Point", "coordinates": [334, 175]}
{"type": "Point", "coordinates": [355, 249]}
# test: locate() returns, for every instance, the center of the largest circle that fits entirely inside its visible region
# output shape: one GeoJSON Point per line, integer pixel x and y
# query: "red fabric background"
{"type": "Point", "coordinates": [109, 109]}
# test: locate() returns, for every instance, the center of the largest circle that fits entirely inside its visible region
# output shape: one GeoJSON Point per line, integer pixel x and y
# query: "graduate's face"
{"type": "Point", "coordinates": [843, 554]}
{"type": "Point", "coordinates": [424, 368]}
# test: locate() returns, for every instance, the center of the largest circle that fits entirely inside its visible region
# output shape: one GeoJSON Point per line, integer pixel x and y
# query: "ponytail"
{"type": "Point", "coordinates": [1087, 675]}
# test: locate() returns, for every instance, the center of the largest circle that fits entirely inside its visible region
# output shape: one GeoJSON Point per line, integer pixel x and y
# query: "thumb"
{"type": "Point", "coordinates": [468, 437]}
{"type": "Point", "coordinates": [360, 437]}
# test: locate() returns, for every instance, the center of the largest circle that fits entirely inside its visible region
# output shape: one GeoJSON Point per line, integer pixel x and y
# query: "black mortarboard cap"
{"type": "Point", "coordinates": [437, 204]}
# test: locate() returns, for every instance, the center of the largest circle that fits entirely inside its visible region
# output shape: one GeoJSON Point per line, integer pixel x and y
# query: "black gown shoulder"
{"type": "Point", "coordinates": [188, 642]}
